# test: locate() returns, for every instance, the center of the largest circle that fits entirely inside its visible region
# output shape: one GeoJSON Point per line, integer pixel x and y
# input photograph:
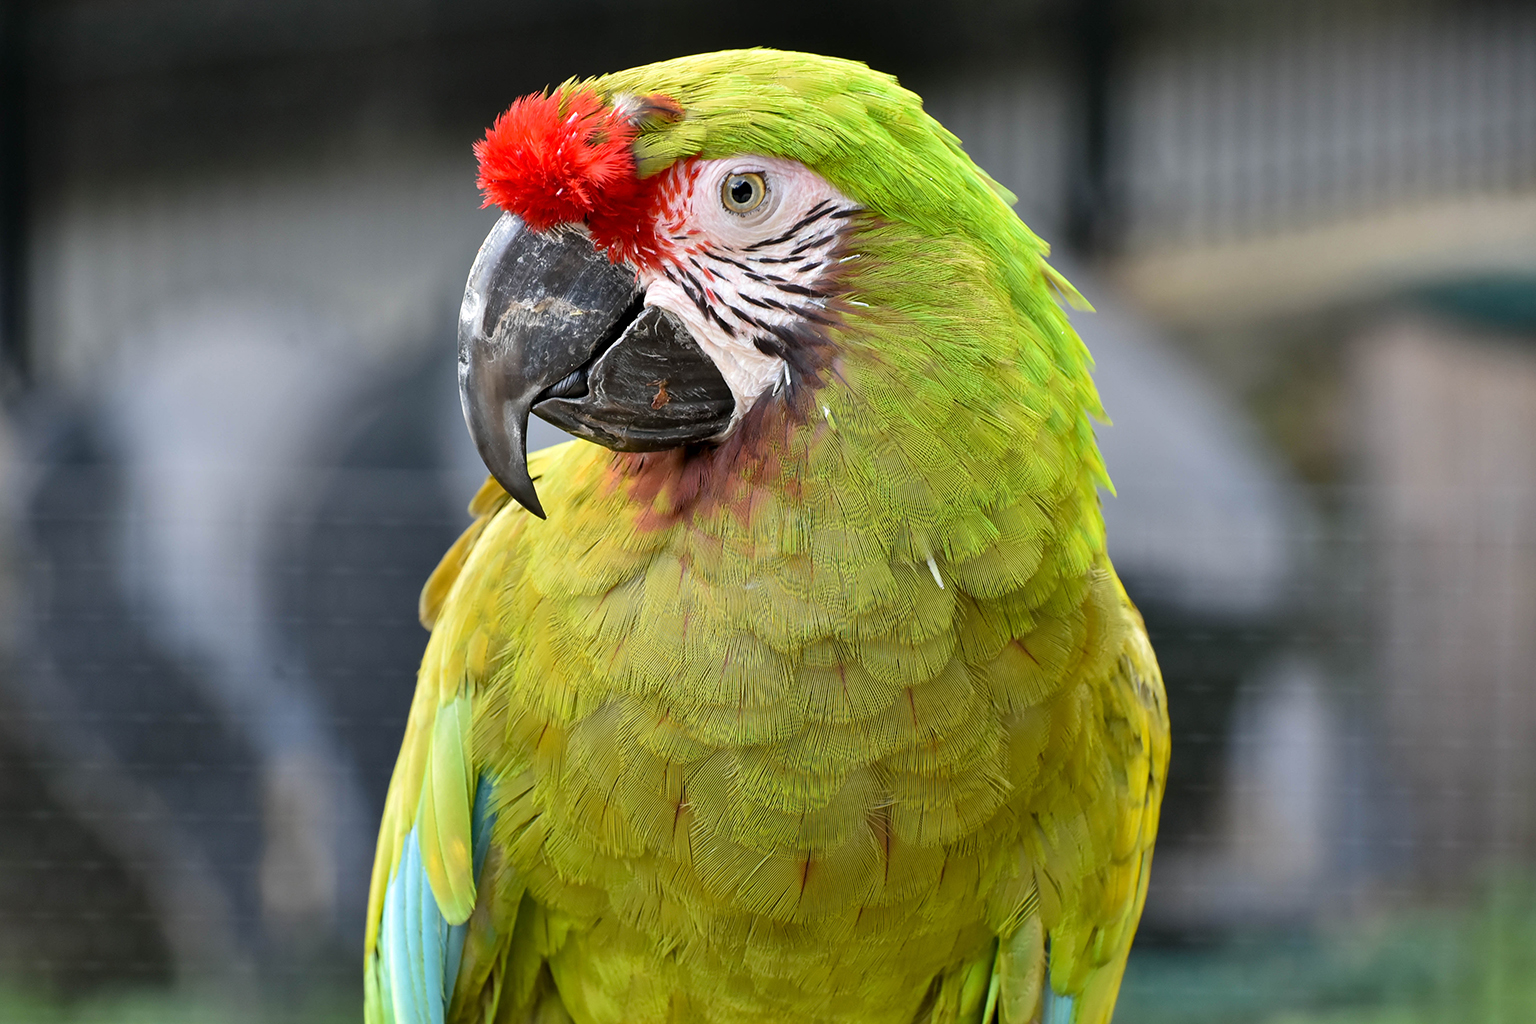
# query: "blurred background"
{"type": "Point", "coordinates": [233, 238]}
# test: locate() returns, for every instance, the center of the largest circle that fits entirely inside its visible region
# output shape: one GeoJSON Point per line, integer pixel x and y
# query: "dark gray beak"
{"type": "Point", "coordinates": [550, 325]}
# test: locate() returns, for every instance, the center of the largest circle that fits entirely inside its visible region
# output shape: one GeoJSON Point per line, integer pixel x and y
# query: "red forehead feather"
{"type": "Point", "coordinates": [557, 159]}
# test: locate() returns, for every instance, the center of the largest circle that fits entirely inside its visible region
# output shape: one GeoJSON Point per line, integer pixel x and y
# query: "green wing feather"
{"type": "Point", "coordinates": [442, 816]}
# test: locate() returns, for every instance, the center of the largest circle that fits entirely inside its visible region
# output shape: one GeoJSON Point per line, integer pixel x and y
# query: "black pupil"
{"type": "Point", "coordinates": [742, 191]}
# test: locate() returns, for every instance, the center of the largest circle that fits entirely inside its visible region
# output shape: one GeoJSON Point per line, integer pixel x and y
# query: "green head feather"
{"type": "Point", "coordinates": [955, 344]}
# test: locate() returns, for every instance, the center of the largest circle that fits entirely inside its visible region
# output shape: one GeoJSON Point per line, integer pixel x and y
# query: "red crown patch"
{"type": "Point", "coordinates": [560, 158]}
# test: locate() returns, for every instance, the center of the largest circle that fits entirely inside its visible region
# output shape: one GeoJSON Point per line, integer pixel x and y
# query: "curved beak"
{"type": "Point", "coordinates": [550, 325]}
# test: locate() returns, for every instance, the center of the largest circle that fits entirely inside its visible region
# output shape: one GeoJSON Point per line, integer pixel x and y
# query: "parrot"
{"type": "Point", "coordinates": [798, 687]}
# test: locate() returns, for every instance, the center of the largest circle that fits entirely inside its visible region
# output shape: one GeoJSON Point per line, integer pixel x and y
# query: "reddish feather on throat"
{"type": "Point", "coordinates": [567, 158]}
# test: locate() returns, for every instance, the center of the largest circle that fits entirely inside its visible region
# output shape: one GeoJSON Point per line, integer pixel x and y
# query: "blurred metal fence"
{"type": "Point", "coordinates": [1257, 119]}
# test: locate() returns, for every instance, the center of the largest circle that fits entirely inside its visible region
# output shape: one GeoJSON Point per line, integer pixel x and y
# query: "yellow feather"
{"type": "Point", "coordinates": [443, 818]}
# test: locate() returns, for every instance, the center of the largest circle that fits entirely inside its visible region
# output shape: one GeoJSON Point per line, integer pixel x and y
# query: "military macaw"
{"type": "Point", "coordinates": [801, 688]}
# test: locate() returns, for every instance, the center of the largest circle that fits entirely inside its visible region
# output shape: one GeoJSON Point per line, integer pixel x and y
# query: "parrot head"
{"type": "Point", "coordinates": [688, 246]}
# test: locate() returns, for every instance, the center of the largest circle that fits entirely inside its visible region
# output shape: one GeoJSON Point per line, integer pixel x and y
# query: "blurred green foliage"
{"type": "Point", "coordinates": [1473, 966]}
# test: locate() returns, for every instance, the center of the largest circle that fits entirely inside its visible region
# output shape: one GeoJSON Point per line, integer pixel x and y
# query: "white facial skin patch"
{"type": "Point", "coordinates": [748, 242]}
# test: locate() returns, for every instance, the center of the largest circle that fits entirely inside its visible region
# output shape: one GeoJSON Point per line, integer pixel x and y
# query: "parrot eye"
{"type": "Point", "coordinates": [743, 192]}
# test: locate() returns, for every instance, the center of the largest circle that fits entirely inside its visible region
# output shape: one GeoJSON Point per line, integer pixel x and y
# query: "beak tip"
{"type": "Point", "coordinates": [523, 492]}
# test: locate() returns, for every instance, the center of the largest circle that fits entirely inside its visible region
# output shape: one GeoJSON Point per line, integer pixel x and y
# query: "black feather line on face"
{"type": "Point", "coordinates": [747, 318]}
{"type": "Point", "coordinates": [811, 243]}
{"type": "Point", "coordinates": [812, 315]}
{"type": "Point", "coordinates": [770, 345]}
{"type": "Point", "coordinates": [820, 210]}
{"type": "Point", "coordinates": [691, 288]}
{"type": "Point", "coordinates": [695, 291]}
{"type": "Point", "coordinates": [787, 286]}
{"type": "Point", "coordinates": [784, 307]}
{"type": "Point", "coordinates": [726, 260]}
{"type": "Point", "coordinates": [813, 215]}
{"type": "Point", "coordinates": [729, 330]}
{"type": "Point", "coordinates": [806, 351]}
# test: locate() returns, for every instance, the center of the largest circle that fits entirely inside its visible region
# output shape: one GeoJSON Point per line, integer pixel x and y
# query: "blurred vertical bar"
{"type": "Point", "coordinates": [1093, 208]}
{"type": "Point", "coordinates": [15, 70]}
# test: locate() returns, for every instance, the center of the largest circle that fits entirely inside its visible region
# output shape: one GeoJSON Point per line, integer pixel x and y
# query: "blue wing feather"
{"type": "Point", "coordinates": [1055, 1009]}
{"type": "Point", "coordinates": [419, 951]}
